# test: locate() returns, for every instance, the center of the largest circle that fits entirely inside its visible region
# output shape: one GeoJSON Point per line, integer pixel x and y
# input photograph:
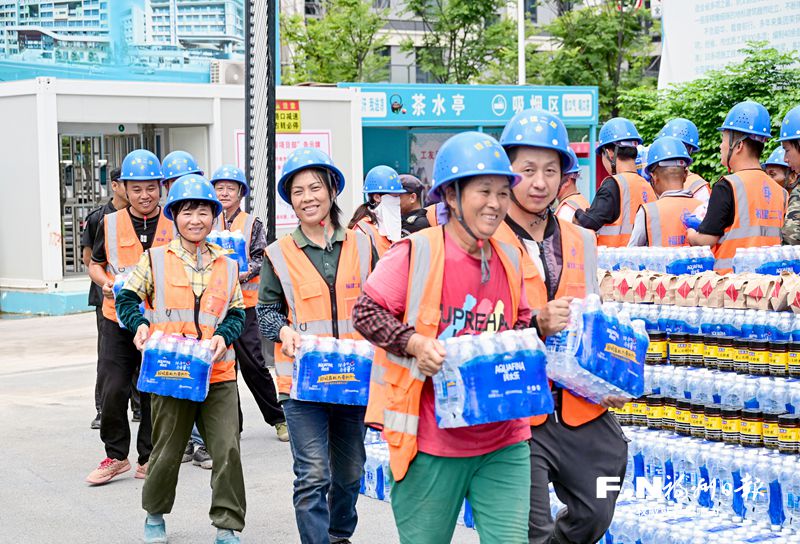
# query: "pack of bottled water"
{"type": "Point", "coordinates": [331, 370]}
{"type": "Point", "coordinates": [771, 260]}
{"type": "Point", "coordinates": [234, 242]}
{"type": "Point", "coordinates": [492, 377]}
{"type": "Point", "coordinates": [376, 482]}
{"type": "Point", "coordinates": [119, 282]}
{"type": "Point", "coordinates": [669, 260]}
{"type": "Point", "coordinates": [176, 366]}
{"type": "Point", "coordinates": [601, 352]}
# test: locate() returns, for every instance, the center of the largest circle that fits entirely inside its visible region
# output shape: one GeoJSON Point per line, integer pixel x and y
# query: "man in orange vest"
{"type": "Point", "coordinates": [747, 207]}
{"type": "Point", "coordinates": [231, 186]}
{"type": "Point", "coordinates": [661, 223]}
{"type": "Point", "coordinates": [439, 283]}
{"type": "Point", "coordinates": [560, 259]}
{"type": "Point", "coordinates": [686, 132]}
{"type": "Point", "coordinates": [569, 197]}
{"type": "Point", "coordinates": [614, 207]}
{"type": "Point", "coordinates": [120, 240]}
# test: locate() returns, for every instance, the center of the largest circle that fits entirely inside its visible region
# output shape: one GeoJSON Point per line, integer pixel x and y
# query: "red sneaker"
{"type": "Point", "coordinates": [108, 469]}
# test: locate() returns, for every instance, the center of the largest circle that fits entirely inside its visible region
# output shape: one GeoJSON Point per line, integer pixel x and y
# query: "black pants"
{"type": "Point", "coordinates": [119, 362]}
{"type": "Point", "coordinates": [572, 458]}
{"type": "Point", "coordinates": [135, 402]}
{"type": "Point", "coordinates": [253, 369]}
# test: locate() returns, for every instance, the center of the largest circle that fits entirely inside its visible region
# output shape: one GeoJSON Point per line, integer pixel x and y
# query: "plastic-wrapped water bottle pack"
{"type": "Point", "coordinates": [331, 370]}
{"type": "Point", "coordinates": [176, 366]}
{"type": "Point", "coordinates": [119, 282]}
{"type": "Point", "coordinates": [669, 260]}
{"type": "Point", "coordinates": [492, 377]}
{"type": "Point", "coordinates": [234, 242]}
{"type": "Point", "coordinates": [771, 260]}
{"type": "Point", "coordinates": [600, 353]}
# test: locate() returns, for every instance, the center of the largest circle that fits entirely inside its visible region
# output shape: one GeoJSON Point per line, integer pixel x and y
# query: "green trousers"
{"type": "Point", "coordinates": [218, 422]}
{"type": "Point", "coordinates": [427, 501]}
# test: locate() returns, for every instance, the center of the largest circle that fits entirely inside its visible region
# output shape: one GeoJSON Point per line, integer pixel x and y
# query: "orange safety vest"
{"type": "Point", "coordinates": [695, 185]}
{"type": "Point", "coordinates": [123, 248]}
{"type": "Point", "coordinates": [759, 209]}
{"type": "Point", "coordinates": [396, 410]}
{"type": "Point", "coordinates": [243, 222]}
{"type": "Point", "coordinates": [578, 278]}
{"type": "Point", "coordinates": [576, 201]}
{"type": "Point", "coordinates": [663, 220]}
{"type": "Point", "coordinates": [430, 213]}
{"type": "Point", "coordinates": [381, 242]}
{"type": "Point", "coordinates": [175, 309]}
{"type": "Point", "coordinates": [633, 191]}
{"type": "Point", "coordinates": [314, 306]}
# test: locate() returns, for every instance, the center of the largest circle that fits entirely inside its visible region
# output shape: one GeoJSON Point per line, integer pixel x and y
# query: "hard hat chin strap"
{"type": "Point", "coordinates": [485, 270]}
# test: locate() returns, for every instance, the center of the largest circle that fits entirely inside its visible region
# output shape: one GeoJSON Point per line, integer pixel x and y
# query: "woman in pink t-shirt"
{"type": "Point", "coordinates": [481, 290]}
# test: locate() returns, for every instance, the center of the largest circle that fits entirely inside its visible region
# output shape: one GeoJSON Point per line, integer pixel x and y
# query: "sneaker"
{"type": "Point", "coordinates": [155, 534]}
{"type": "Point", "coordinates": [141, 471]}
{"type": "Point", "coordinates": [108, 468]}
{"type": "Point", "coordinates": [188, 453]}
{"type": "Point", "coordinates": [137, 416]}
{"type": "Point", "coordinates": [96, 422]}
{"type": "Point", "coordinates": [282, 431]}
{"type": "Point", "coordinates": [226, 536]}
{"type": "Point", "coordinates": [201, 458]}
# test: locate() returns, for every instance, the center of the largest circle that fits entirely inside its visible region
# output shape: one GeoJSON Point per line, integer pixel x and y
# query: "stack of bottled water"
{"type": "Point", "coordinates": [771, 260]}
{"type": "Point", "coordinates": [119, 282]}
{"type": "Point", "coordinates": [331, 370]}
{"type": "Point", "coordinates": [670, 260]}
{"type": "Point", "coordinates": [492, 377]}
{"type": "Point", "coordinates": [176, 366]}
{"type": "Point", "coordinates": [234, 242]}
{"type": "Point", "coordinates": [601, 352]}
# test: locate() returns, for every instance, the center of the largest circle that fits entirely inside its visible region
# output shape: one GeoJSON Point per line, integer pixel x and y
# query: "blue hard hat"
{"type": "Point", "coordinates": [383, 180]}
{"type": "Point", "coordinates": [576, 167]}
{"type": "Point", "coordinates": [537, 128]}
{"type": "Point", "coordinates": [308, 157]}
{"type": "Point", "coordinates": [684, 130]}
{"type": "Point", "coordinates": [668, 148]}
{"type": "Point", "coordinates": [618, 131]}
{"type": "Point", "coordinates": [790, 128]}
{"type": "Point", "coordinates": [140, 165]}
{"type": "Point", "coordinates": [191, 187]}
{"type": "Point", "coordinates": [179, 163]}
{"type": "Point", "coordinates": [465, 155]}
{"type": "Point", "coordinates": [228, 172]}
{"type": "Point", "coordinates": [777, 158]}
{"type": "Point", "coordinates": [749, 118]}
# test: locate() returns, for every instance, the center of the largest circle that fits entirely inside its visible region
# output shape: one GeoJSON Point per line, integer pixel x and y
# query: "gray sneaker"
{"type": "Point", "coordinates": [188, 453]}
{"type": "Point", "coordinates": [201, 458]}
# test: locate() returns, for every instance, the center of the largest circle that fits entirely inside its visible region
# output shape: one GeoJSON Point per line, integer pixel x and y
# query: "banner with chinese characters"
{"type": "Point", "coordinates": [284, 145]}
{"type": "Point", "coordinates": [470, 105]}
{"type": "Point", "coordinates": [423, 147]}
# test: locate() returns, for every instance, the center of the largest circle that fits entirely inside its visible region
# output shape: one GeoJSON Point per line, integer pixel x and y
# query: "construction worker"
{"type": "Point", "coordinates": [580, 441]}
{"type": "Point", "coordinates": [614, 207]}
{"type": "Point", "coordinates": [569, 197]}
{"type": "Point", "coordinates": [412, 302]}
{"type": "Point", "coordinates": [231, 187]}
{"type": "Point", "coordinates": [120, 240]}
{"type": "Point", "coordinates": [778, 169]}
{"type": "Point", "coordinates": [747, 207]}
{"type": "Point", "coordinates": [380, 216]}
{"type": "Point", "coordinates": [413, 215]}
{"type": "Point", "coordinates": [661, 223]}
{"type": "Point", "coordinates": [191, 290]}
{"type": "Point", "coordinates": [310, 281]}
{"type": "Point", "coordinates": [176, 164]}
{"type": "Point", "coordinates": [686, 132]}
{"type": "Point", "coordinates": [790, 143]}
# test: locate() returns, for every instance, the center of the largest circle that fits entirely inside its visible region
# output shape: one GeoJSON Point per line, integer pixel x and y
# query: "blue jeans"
{"type": "Point", "coordinates": [327, 442]}
{"type": "Point", "coordinates": [196, 438]}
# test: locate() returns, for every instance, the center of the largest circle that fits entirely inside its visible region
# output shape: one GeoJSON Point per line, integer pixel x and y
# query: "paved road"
{"type": "Point", "coordinates": [47, 370]}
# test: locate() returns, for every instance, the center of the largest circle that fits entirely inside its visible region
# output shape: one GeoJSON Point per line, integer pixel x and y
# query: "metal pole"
{"type": "Point", "coordinates": [521, 42]}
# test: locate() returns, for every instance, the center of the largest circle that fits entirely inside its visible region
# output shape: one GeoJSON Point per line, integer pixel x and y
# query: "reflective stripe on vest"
{"type": "Point", "coordinates": [669, 232]}
{"type": "Point", "coordinates": [244, 222]}
{"type": "Point", "coordinates": [379, 241]}
{"type": "Point", "coordinates": [634, 191]}
{"type": "Point", "coordinates": [575, 201]}
{"type": "Point", "coordinates": [695, 183]}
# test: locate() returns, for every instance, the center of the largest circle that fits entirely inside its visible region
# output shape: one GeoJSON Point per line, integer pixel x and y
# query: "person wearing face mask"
{"type": "Point", "coordinates": [790, 143]}
{"type": "Point", "coordinates": [120, 240]}
{"type": "Point", "coordinates": [580, 441]}
{"type": "Point", "coordinates": [661, 223]}
{"type": "Point", "coordinates": [380, 217]}
{"type": "Point", "coordinates": [410, 303]}
{"type": "Point", "coordinates": [191, 289]}
{"type": "Point", "coordinates": [310, 280]}
{"type": "Point", "coordinates": [569, 197]}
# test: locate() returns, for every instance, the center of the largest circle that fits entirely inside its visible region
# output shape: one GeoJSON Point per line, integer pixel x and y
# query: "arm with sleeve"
{"type": "Point", "coordinates": [271, 307]}
{"type": "Point", "coordinates": [639, 234]}
{"type": "Point", "coordinates": [604, 209]}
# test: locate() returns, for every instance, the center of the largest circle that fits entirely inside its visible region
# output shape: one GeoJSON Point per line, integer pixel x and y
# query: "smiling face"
{"type": "Point", "coordinates": [194, 220]}
{"type": "Point", "coordinates": [484, 203]}
{"type": "Point", "coordinates": [541, 175]}
{"type": "Point", "coordinates": [229, 193]}
{"type": "Point", "coordinates": [143, 195]}
{"type": "Point", "coordinates": [311, 198]}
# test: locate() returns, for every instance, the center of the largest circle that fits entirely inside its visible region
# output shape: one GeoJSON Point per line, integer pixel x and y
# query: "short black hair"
{"type": "Point", "coordinates": [115, 174]}
{"type": "Point", "coordinates": [625, 153]}
{"type": "Point", "coordinates": [190, 205]}
{"type": "Point", "coordinates": [755, 147]}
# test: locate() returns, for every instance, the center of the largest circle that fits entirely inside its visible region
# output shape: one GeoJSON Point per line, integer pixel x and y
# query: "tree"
{"type": "Point", "coordinates": [464, 37]}
{"type": "Point", "coordinates": [343, 45]}
{"type": "Point", "coordinates": [607, 45]}
{"type": "Point", "coordinates": [765, 75]}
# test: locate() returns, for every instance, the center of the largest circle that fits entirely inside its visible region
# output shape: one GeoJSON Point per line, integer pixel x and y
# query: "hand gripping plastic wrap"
{"type": "Point", "coordinates": [330, 370]}
{"type": "Point", "coordinates": [176, 366]}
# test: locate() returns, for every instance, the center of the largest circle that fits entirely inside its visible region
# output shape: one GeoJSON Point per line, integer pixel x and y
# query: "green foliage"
{"type": "Point", "coordinates": [600, 45]}
{"type": "Point", "coordinates": [466, 37]}
{"type": "Point", "coordinates": [342, 45]}
{"type": "Point", "coordinates": [765, 75]}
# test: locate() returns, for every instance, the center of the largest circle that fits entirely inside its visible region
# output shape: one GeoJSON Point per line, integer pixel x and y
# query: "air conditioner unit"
{"type": "Point", "coordinates": [227, 72]}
